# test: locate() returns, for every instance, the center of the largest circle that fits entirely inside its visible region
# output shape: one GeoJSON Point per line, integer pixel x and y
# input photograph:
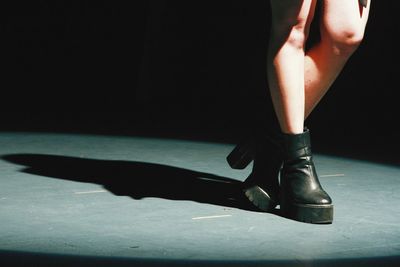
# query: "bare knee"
{"type": "Point", "coordinates": [291, 32]}
{"type": "Point", "coordinates": [291, 22]}
{"type": "Point", "coordinates": [345, 41]}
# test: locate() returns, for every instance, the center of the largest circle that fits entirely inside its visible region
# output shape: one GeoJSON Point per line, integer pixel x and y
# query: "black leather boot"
{"type": "Point", "coordinates": [301, 195]}
{"type": "Point", "coordinates": [262, 185]}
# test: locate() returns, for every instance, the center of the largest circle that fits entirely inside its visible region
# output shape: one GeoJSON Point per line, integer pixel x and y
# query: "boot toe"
{"type": "Point", "coordinates": [324, 198]}
{"type": "Point", "coordinates": [319, 197]}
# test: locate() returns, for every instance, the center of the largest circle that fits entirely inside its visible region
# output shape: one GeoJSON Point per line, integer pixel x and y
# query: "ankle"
{"type": "Point", "coordinates": [292, 129]}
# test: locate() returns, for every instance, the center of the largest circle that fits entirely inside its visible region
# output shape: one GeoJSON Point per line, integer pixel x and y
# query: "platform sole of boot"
{"type": "Point", "coordinates": [260, 198]}
{"type": "Point", "coordinates": [308, 213]}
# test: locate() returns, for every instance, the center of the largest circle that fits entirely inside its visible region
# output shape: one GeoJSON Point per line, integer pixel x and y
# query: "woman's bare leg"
{"type": "Point", "coordinates": [342, 29]}
{"type": "Point", "coordinates": [300, 193]}
{"type": "Point", "coordinates": [285, 63]}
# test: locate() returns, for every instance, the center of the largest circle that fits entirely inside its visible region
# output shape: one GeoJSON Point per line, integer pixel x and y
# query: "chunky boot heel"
{"type": "Point", "coordinates": [241, 156]}
{"type": "Point", "coordinates": [302, 197]}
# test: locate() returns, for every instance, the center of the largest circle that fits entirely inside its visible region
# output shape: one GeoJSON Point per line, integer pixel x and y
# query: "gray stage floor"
{"type": "Point", "coordinates": [72, 200]}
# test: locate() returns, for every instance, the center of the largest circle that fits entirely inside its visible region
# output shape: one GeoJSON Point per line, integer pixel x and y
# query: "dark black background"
{"type": "Point", "coordinates": [193, 69]}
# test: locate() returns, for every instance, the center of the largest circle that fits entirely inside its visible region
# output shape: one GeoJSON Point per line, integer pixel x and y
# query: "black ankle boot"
{"type": "Point", "coordinates": [265, 148]}
{"type": "Point", "coordinates": [301, 195]}
{"type": "Point", "coordinates": [262, 185]}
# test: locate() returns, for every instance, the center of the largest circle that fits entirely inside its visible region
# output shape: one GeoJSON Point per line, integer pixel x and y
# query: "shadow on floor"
{"type": "Point", "coordinates": [138, 179]}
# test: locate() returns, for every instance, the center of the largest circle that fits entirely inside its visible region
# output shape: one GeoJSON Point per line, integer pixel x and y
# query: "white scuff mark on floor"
{"type": "Point", "coordinates": [211, 217]}
{"type": "Point", "coordinates": [91, 192]}
{"type": "Point", "coordinates": [332, 175]}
